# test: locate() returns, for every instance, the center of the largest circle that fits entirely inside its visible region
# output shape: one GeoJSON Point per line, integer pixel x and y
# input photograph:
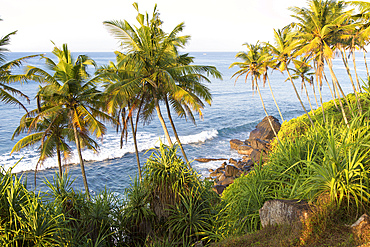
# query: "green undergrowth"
{"type": "Point", "coordinates": [328, 160]}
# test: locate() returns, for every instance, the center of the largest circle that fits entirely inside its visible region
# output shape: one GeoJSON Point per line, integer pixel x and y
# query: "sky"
{"type": "Point", "coordinates": [214, 25]}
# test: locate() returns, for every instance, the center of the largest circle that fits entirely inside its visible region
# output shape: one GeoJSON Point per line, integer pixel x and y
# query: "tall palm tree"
{"type": "Point", "coordinates": [318, 26]}
{"type": "Point", "coordinates": [154, 54]}
{"type": "Point", "coordinates": [254, 65]}
{"type": "Point", "coordinates": [72, 92]}
{"type": "Point", "coordinates": [301, 71]}
{"type": "Point", "coordinates": [284, 53]}
{"type": "Point", "coordinates": [114, 76]}
{"type": "Point", "coordinates": [269, 62]}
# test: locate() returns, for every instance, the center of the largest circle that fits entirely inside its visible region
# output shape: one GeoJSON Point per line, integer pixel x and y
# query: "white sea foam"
{"type": "Point", "coordinates": [109, 149]}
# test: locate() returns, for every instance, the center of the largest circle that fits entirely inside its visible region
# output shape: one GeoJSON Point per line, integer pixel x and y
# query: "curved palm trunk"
{"type": "Point", "coordinates": [77, 140]}
{"type": "Point", "coordinates": [59, 161]}
{"type": "Point", "coordinates": [175, 132]}
{"type": "Point", "coordinates": [273, 96]}
{"type": "Point", "coordinates": [299, 98]}
{"type": "Point", "coordinates": [308, 97]}
{"type": "Point", "coordinates": [345, 61]}
{"type": "Point", "coordinates": [367, 69]}
{"type": "Point", "coordinates": [319, 84]}
{"type": "Point", "coordinates": [335, 85]}
{"type": "Point", "coordinates": [159, 114]}
{"type": "Point", "coordinates": [355, 68]}
{"type": "Point", "coordinates": [314, 93]}
{"type": "Point", "coordinates": [136, 149]}
{"type": "Point", "coordinates": [264, 108]}
{"type": "Point", "coordinates": [331, 91]}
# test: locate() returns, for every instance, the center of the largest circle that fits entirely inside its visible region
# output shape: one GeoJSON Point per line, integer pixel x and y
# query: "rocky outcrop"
{"type": "Point", "coordinates": [362, 225]}
{"type": "Point", "coordinates": [264, 131]}
{"type": "Point", "coordinates": [277, 212]}
{"type": "Point", "coordinates": [259, 140]}
{"type": "Point", "coordinates": [253, 149]}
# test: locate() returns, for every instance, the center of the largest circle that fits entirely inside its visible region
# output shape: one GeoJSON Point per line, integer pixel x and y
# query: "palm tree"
{"type": "Point", "coordinates": [7, 93]}
{"type": "Point", "coordinates": [318, 26]}
{"type": "Point", "coordinates": [70, 91]}
{"type": "Point", "coordinates": [114, 76]}
{"type": "Point", "coordinates": [50, 132]}
{"type": "Point", "coordinates": [254, 65]}
{"type": "Point", "coordinates": [363, 30]}
{"type": "Point", "coordinates": [154, 54]}
{"type": "Point", "coordinates": [269, 63]}
{"type": "Point", "coordinates": [301, 71]}
{"type": "Point", "coordinates": [284, 53]}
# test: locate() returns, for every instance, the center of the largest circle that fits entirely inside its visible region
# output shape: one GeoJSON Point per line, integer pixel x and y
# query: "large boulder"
{"type": "Point", "coordinates": [232, 171]}
{"type": "Point", "coordinates": [362, 225]}
{"type": "Point", "coordinates": [277, 212]}
{"type": "Point", "coordinates": [264, 131]}
{"type": "Point", "coordinates": [235, 143]}
{"type": "Point", "coordinates": [245, 149]}
{"type": "Point", "coordinates": [224, 180]}
{"type": "Point", "coordinates": [259, 144]}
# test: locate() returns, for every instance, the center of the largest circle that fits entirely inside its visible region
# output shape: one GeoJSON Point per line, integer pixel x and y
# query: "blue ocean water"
{"type": "Point", "coordinates": [235, 111]}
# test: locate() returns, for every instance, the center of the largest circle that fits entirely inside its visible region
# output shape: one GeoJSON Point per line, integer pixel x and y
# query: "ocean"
{"type": "Point", "coordinates": [235, 111]}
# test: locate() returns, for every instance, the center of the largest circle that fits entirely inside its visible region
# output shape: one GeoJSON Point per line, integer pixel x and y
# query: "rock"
{"type": "Point", "coordinates": [216, 173]}
{"type": "Point", "coordinates": [259, 144]}
{"type": "Point", "coordinates": [277, 212]}
{"type": "Point", "coordinates": [219, 188]}
{"type": "Point", "coordinates": [264, 131]}
{"type": "Point", "coordinates": [223, 165]}
{"type": "Point", "coordinates": [233, 161]}
{"type": "Point", "coordinates": [245, 149]}
{"type": "Point", "coordinates": [211, 170]}
{"type": "Point", "coordinates": [241, 164]}
{"type": "Point", "coordinates": [362, 225]}
{"type": "Point", "coordinates": [235, 143]}
{"type": "Point", "coordinates": [198, 244]}
{"type": "Point", "coordinates": [255, 155]}
{"type": "Point", "coordinates": [223, 180]}
{"type": "Point", "coordinates": [231, 171]}
{"type": "Point", "coordinates": [207, 159]}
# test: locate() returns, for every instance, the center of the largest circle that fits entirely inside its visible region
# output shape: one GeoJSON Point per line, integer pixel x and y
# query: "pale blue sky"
{"type": "Point", "coordinates": [214, 25]}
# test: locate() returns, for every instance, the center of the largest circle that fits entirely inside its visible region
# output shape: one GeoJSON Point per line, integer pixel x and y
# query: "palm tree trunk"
{"type": "Point", "coordinates": [264, 108]}
{"type": "Point", "coordinates": [159, 114]}
{"type": "Point", "coordinates": [59, 161]}
{"type": "Point", "coordinates": [314, 92]}
{"type": "Point", "coordinates": [81, 161]}
{"type": "Point", "coordinates": [355, 68]}
{"type": "Point", "coordinates": [319, 84]}
{"type": "Point", "coordinates": [345, 61]}
{"type": "Point", "coordinates": [335, 85]}
{"type": "Point", "coordinates": [367, 69]}
{"type": "Point", "coordinates": [331, 91]}
{"type": "Point", "coordinates": [136, 149]}
{"type": "Point", "coordinates": [175, 132]}
{"type": "Point", "coordinates": [299, 98]}
{"type": "Point", "coordinates": [277, 106]}
{"type": "Point", "coordinates": [308, 97]}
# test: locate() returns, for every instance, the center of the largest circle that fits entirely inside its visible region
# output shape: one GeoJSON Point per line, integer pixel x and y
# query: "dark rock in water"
{"type": "Point", "coordinates": [231, 171]}
{"type": "Point", "coordinates": [259, 144]}
{"type": "Point", "coordinates": [219, 189]}
{"type": "Point", "coordinates": [264, 131]}
{"type": "Point", "coordinates": [235, 143]}
{"type": "Point", "coordinates": [208, 159]}
{"type": "Point", "coordinates": [245, 149]}
{"type": "Point", "coordinates": [277, 212]}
